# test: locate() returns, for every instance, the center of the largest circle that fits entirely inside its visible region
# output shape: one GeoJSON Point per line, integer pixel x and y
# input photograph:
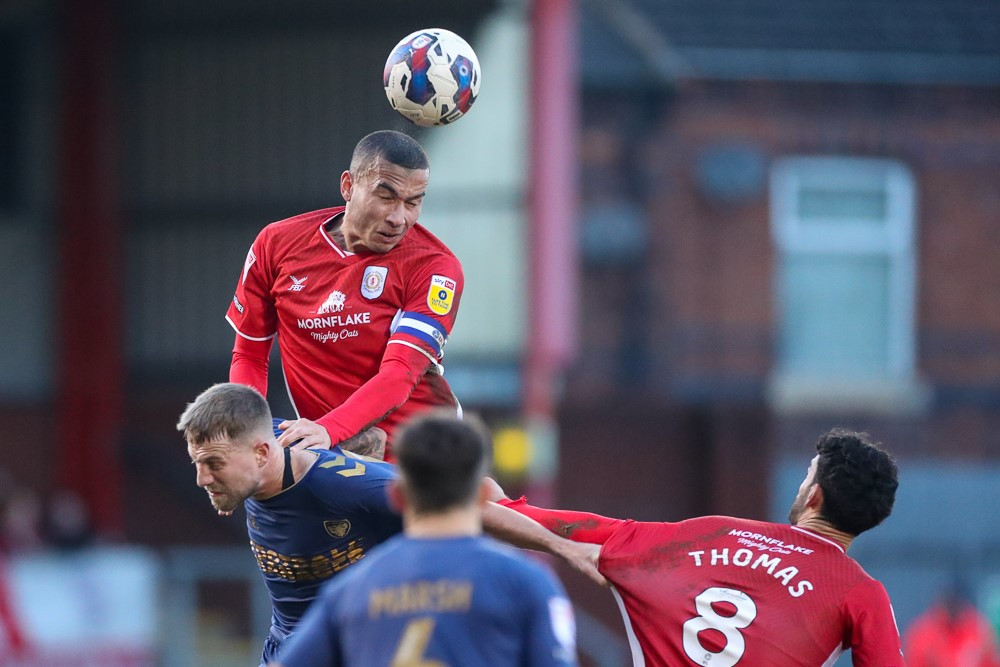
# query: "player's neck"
{"type": "Point", "coordinates": [460, 522]}
{"type": "Point", "coordinates": [815, 524]}
{"type": "Point", "coordinates": [335, 230]}
{"type": "Point", "coordinates": [271, 483]}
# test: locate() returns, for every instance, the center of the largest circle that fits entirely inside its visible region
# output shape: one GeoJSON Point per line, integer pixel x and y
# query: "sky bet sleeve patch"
{"type": "Point", "coordinates": [441, 295]}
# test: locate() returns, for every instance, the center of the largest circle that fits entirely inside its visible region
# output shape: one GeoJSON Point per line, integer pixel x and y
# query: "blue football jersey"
{"type": "Point", "coordinates": [459, 601]}
{"type": "Point", "coordinates": [314, 529]}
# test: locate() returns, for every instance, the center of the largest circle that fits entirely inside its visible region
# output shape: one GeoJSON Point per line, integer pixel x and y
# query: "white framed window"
{"type": "Point", "coordinates": [845, 284]}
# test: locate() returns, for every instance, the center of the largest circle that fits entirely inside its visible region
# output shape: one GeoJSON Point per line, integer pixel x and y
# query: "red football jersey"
{"type": "Point", "coordinates": [335, 312]}
{"type": "Point", "coordinates": [722, 591]}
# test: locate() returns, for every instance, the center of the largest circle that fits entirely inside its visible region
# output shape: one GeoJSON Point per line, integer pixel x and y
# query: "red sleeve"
{"type": "Point", "coordinates": [250, 361]}
{"type": "Point", "coordinates": [874, 635]}
{"type": "Point", "coordinates": [430, 306]}
{"type": "Point", "coordinates": [252, 312]}
{"type": "Point", "coordinates": [577, 526]}
{"type": "Point", "coordinates": [401, 369]}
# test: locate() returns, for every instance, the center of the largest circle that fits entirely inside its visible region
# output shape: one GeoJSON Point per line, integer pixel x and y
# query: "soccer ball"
{"type": "Point", "coordinates": [432, 77]}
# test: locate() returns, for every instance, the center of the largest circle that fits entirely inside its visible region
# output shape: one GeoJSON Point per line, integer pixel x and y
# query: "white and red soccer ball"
{"type": "Point", "coordinates": [432, 77]}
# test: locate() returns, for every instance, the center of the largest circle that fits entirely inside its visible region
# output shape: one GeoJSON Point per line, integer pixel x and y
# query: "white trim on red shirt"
{"type": "Point", "coordinates": [818, 537]}
{"type": "Point", "coordinates": [333, 244]}
{"type": "Point", "coordinates": [418, 349]}
{"type": "Point", "coordinates": [638, 659]}
{"type": "Point", "coordinates": [240, 333]}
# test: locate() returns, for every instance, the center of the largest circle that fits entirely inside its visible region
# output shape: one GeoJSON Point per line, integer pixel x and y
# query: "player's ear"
{"type": "Point", "coordinates": [346, 185]}
{"type": "Point", "coordinates": [260, 452]}
{"type": "Point", "coordinates": [397, 499]}
{"type": "Point", "coordinates": [814, 499]}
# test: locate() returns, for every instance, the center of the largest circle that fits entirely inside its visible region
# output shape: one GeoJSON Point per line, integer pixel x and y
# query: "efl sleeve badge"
{"type": "Point", "coordinates": [441, 295]}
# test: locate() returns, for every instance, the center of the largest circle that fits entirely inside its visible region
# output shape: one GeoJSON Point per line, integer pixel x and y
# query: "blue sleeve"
{"type": "Point", "coordinates": [360, 487]}
{"type": "Point", "coordinates": [374, 492]}
{"type": "Point", "coordinates": [375, 499]}
{"type": "Point", "coordinates": [551, 638]}
{"type": "Point", "coordinates": [316, 640]}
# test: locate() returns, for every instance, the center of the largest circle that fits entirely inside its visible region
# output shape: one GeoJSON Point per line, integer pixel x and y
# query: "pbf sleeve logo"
{"type": "Point", "coordinates": [441, 295]}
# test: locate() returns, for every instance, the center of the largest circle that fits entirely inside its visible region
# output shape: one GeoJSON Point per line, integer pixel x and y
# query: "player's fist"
{"type": "Point", "coordinates": [302, 433]}
{"type": "Point", "coordinates": [584, 558]}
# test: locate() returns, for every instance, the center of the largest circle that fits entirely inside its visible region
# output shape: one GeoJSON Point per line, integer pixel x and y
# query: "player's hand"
{"type": "Point", "coordinates": [583, 557]}
{"type": "Point", "coordinates": [302, 433]}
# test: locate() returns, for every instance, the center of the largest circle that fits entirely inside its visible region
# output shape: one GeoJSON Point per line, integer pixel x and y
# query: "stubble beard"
{"type": "Point", "coordinates": [229, 500]}
{"type": "Point", "coordinates": [222, 503]}
{"type": "Point", "coordinates": [798, 506]}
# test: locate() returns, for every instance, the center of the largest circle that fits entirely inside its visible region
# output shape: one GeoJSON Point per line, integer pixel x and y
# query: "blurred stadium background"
{"type": "Point", "coordinates": [696, 233]}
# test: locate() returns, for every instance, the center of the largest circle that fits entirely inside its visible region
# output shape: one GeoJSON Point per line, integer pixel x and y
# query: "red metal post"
{"type": "Point", "coordinates": [90, 365]}
{"type": "Point", "coordinates": [553, 268]}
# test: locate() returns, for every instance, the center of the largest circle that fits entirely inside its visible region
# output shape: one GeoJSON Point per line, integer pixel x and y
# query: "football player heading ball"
{"type": "Point", "coordinates": [362, 298]}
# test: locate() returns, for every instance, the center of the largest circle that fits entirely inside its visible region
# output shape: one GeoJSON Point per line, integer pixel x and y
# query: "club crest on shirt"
{"type": "Point", "coordinates": [337, 528]}
{"type": "Point", "coordinates": [373, 282]}
{"type": "Point", "coordinates": [441, 294]}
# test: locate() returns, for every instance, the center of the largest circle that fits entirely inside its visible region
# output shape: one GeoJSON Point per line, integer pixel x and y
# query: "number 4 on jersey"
{"type": "Point", "coordinates": [410, 651]}
{"type": "Point", "coordinates": [709, 619]}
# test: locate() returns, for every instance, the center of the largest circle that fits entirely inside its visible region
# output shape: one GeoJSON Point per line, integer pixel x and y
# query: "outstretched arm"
{"type": "Point", "coordinates": [517, 529]}
{"type": "Point", "coordinates": [576, 526]}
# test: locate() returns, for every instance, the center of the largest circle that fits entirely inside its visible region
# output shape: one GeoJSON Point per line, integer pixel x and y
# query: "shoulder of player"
{"type": "Point", "coordinates": [420, 240]}
{"type": "Point", "coordinates": [338, 459]}
{"type": "Point", "coordinates": [738, 525]}
{"type": "Point", "coordinates": [504, 560]}
{"type": "Point", "coordinates": [336, 468]}
{"type": "Point", "coordinates": [863, 593]}
{"type": "Point", "coordinates": [862, 582]}
{"type": "Point", "coordinates": [765, 532]}
{"type": "Point", "coordinates": [297, 226]}
{"type": "Point", "coordinates": [633, 534]}
{"type": "Point", "coordinates": [377, 468]}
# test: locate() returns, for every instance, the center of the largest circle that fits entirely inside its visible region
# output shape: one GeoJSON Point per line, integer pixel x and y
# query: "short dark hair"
{"type": "Point", "coordinates": [858, 478]}
{"type": "Point", "coordinates": [442, 460]}
{"type": "Point", "coordinates": [395, 147]}
{"type": "Point", "coordinates": [227, 410]}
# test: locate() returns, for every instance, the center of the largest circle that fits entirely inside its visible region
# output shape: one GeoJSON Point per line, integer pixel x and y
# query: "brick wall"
{"type": "Point", "coordinates": [707, 309]}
